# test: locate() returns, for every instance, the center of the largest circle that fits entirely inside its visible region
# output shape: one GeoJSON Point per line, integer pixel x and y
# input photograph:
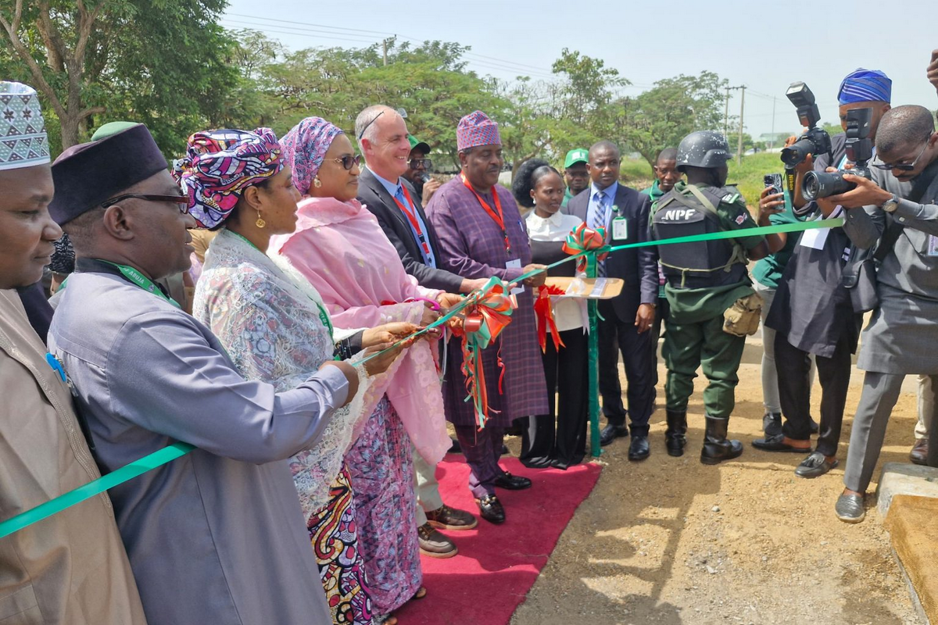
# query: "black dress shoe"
{"type": "Point", "coordinates": [612, 432]}
{"type": "Point", "coordinates": [490, 509]}
{"type": "Point", "coordinates": [849, 508]}
{"type": "Point", "coordinates": [639, 448]}
{"type": "Point", "coordinates": [815, 465]}
{"type": "Point", "coordinates": [777, 443]}
{"type": "Point", "coordinates": [512, 482]}
{"type": "Point", "coordinates": [772, 424]}
{"type": "Point", "coordinates": [919, 453]}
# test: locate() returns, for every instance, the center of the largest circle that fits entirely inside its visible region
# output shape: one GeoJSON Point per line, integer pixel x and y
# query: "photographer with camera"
{"type": "Point", "coordinates": [818, 318]}
{"type": "Point", "coordinates": [899, 339]}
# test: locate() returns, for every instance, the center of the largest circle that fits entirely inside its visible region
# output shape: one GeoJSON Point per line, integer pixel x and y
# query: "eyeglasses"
{"type": "Point", "coordinates": [181, 201]}
{"type": "Point", "coordinates": [416, 163]}
{"type": "Point", "coordinates": [903, 166]}
{"type": "Point", "coordinates": [348, 161]}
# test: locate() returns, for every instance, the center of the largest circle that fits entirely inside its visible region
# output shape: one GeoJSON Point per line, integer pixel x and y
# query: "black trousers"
{"type": "Point", "coordinates": [567, 396]}
{"type": "Point", "coordinates": [794, 390]}
{"type": "Point", "coordinates": [638, 356]}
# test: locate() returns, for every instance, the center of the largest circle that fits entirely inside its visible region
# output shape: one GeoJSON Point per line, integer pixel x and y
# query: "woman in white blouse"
{"type": "Point", "coordinates": [540, 186]}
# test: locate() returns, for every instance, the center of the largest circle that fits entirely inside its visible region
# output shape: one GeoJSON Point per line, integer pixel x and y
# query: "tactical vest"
{"type": "Point", "coordinates": [703, 263]}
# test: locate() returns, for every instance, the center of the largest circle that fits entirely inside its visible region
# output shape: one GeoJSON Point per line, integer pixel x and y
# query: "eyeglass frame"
{"type": "Point", "coordinates": [355, 158]}
{"type": "Point", "coordinates": [181, 201]}
{"type": "Point", "coordinates": [426, 162]}
{"type": "Point", "coordinates": [903, 166]}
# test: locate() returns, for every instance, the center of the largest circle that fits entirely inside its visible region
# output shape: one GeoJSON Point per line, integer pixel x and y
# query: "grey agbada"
{"type": "Point", "coordinates": [216, 536]}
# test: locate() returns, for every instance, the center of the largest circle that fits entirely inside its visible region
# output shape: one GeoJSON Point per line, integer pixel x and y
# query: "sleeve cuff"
{"type": "Point", "coordinates": [908, 209]}
{"type": "Point", "coordinates": [336, 383]}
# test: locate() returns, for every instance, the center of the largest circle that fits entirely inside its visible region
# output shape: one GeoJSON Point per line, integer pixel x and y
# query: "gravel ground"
{"type": "Point", "coordinates": [672, 541]}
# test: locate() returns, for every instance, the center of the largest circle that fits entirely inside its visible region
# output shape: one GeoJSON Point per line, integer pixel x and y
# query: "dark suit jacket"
{"type": "Point", "coordinates": [638, 267]}
{"type": "Point", "coordinates": [376, 198]}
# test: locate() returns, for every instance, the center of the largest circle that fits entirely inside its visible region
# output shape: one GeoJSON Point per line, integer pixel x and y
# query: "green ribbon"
{"type": "Point", "coordinates": [179, 449]}
{"type": "Point", "coordinates": [96, 487]}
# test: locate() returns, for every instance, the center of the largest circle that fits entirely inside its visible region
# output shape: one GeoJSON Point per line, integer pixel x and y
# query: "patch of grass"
{"type": "Point", "coordinates": [636, 173]}
{"type": "Point", "coordinates": [748, 175]}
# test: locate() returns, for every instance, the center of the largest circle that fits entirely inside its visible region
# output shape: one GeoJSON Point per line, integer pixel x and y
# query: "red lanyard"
{"type": "Point", "coordinates": [412, 218]}
{"type": "Point", "coordinates": [497, 216]}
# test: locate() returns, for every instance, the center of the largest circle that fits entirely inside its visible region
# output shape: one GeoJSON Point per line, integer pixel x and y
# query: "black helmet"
{"type": "Point", "coordinates": [704, 148]}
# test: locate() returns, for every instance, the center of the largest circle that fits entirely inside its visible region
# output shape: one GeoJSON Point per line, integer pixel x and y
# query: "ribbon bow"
{"type": "Point", "coordinates": [487, 313]}
{"type": "Point", "coordinates": [583, 240]}
{"type": "Point", "coordinates": [545, 316]}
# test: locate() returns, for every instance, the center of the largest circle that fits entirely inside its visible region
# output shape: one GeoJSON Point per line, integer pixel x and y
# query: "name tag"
{"type": "Point", "coordinates": [620, 228]}
{"type": "Point", "coordinates": [515, 264]}
{"type": "Point", "coordinates": [932, 245]}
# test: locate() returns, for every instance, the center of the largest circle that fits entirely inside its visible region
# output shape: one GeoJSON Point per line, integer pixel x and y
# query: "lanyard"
{"type": "Point", "coordinates": [497, 216]}
{"type": "Point", "coordinates": [137, 278]}
{"type": "Point", "coordinates": [414, 222]}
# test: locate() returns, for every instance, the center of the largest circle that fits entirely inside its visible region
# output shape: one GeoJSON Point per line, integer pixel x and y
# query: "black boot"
{"type": "Point", "coordinates": [716, 447]}
{"type": "Point", "coordinates": [674, 438]}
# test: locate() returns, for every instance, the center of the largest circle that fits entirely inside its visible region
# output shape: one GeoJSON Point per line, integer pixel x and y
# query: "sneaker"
{"type": "Point", "coordinates": [447, 518]}
{"type": "Point", "coordinates": [434, 544]}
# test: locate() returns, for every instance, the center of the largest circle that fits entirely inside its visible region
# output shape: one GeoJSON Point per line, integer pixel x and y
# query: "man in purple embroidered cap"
{"type": "Point", "coordinates": [217, 536]}
{"type": "Point", "coordinates": [481, 235]}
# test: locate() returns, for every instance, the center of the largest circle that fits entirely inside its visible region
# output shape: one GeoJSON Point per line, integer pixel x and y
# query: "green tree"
{"type": "Point", "coordinates": [660, 117]}
{"type": "Point", "coordinates": [159, 62]}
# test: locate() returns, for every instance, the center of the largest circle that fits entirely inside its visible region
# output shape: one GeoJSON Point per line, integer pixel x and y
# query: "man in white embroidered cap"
{"type": "Point", "coordinates": [71, 567]}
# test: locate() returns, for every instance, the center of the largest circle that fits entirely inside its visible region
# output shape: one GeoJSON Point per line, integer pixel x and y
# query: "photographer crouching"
{"type": "Point", "coordinates": [902, 333]}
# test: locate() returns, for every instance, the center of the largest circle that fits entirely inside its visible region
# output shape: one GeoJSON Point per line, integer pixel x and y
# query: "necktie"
{"type": "Point", "coordinates": [599, 221]}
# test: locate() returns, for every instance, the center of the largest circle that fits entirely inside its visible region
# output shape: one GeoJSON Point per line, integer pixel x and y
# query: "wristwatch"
{"type": "Point", "coordinates": [891, 204]}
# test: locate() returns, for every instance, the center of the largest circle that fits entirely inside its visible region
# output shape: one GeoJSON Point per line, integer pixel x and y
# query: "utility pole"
{"type": "Point", "coordinates": [384, 45]}
{"type": "Point", "coordinates": [772, 140]}
{"type": "Point", "coordinates": [739, 148]}
{"type": "Point", "coordinates": [726, 113]}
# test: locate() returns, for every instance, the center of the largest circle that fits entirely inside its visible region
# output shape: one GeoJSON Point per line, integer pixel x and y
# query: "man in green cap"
{"type": "Point", "coordinates": [418, 170]}
{"type": "Point", "coordinates": [575, 173]}
{"type": "Point", "coordinates": [707, 283]}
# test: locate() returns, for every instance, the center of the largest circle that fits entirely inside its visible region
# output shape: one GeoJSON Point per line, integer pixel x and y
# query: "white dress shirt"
{"type": "Point", "coordinates": [569, 313]}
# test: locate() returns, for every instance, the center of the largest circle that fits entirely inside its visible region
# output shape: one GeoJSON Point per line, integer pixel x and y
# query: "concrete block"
{"type": "Point", "coordinates": [905, 479]}
{"type": "Point", "coordinates": [913, 524]}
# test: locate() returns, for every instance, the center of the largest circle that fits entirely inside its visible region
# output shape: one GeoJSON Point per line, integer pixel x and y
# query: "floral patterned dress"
{"type": "Point", "coordinates": [274, 328]}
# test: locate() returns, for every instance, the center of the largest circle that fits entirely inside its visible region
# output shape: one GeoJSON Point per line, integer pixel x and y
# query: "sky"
{"type": "Point", "coordinates": [762, 45]}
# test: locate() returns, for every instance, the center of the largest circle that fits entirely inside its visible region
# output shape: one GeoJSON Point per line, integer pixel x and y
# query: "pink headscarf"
{"type": "Point", "coordinates": [304, 148]}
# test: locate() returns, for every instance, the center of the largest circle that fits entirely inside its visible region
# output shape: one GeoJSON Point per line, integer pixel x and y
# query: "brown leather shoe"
{"type": "Point", "coordinates": [919, 453]}
{"type": "Point", "coordinates": [435, 544]}
{"type": "Point", "coordinates": [446, 518]}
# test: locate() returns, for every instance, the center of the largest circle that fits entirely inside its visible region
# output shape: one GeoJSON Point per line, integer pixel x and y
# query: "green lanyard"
{"type": "Point", "coordinates": [137, 278]}
{"type": "Point", "coordinates": [323, 315]}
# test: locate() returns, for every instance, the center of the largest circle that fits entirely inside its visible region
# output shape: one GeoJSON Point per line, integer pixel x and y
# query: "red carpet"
{"type": "Point", "coordinates": [497, 564]}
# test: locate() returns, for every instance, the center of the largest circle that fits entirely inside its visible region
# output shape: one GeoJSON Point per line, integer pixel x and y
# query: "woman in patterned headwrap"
{"type": "Point", "coordinates": [275, 328]}
{"type": "Point", "coordinates": [340, 248]}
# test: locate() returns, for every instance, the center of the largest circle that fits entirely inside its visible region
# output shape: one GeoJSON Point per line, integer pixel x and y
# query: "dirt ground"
{"type": "Point", "coordinates": [672, 541]}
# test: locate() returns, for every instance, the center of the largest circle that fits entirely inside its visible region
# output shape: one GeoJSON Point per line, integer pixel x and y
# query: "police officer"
{"type": "Point", "coordinates": [704, 279]}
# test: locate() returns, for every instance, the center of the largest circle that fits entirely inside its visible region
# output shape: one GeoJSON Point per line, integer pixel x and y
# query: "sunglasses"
{"type": "Point", "coordinates": [181, 201]}
{"type": "Point", "coordinates": [348, 161]}
{"type": "Point", "coordinates": [903, 166]}
{"type": "Point", "coordinates": [417, 162]}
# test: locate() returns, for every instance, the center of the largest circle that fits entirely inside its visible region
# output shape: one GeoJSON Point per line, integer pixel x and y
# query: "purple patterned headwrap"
{"type": "Point", "coordinates": [476, 129]}
{"type": "Point", "coordinates": [220, 164]}
{"type": "Point", "coordinates": [305, 146]}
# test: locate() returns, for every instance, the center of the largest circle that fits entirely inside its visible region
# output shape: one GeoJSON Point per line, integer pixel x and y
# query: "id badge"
{"type": "Point", "coordinates": [620, 228]}
{"type": "Point", "coordinates": [932, 245]}
{"type": "Point", "coordinates": [515, 264]}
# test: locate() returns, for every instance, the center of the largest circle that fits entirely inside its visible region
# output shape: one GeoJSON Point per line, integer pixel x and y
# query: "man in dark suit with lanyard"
{"type": "Point", "coordinates": [383, 139]}
{"type": "Point", "coordinates": [626, 319]}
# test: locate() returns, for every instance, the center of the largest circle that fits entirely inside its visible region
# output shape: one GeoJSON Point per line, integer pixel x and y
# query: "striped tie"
{"type": "Point", "coordinates": [599, 221]}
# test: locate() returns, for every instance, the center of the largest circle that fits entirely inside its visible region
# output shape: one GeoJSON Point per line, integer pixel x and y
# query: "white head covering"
{"type": "Point", "coordinates": [23, 141]}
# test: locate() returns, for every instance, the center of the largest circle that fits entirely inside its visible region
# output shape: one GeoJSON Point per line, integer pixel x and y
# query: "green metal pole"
{"type": "Point", "coordinates": [593, 364]}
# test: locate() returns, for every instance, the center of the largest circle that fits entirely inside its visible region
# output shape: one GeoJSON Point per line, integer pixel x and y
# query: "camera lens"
{"type": "Point", "coordinates": [822, 184]}
{"type": "Point", "coordinates": [797, 152]}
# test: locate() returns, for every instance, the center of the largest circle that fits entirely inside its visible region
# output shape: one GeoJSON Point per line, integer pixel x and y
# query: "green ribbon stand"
{"type": "Point", "coordinates": [179, 449]}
